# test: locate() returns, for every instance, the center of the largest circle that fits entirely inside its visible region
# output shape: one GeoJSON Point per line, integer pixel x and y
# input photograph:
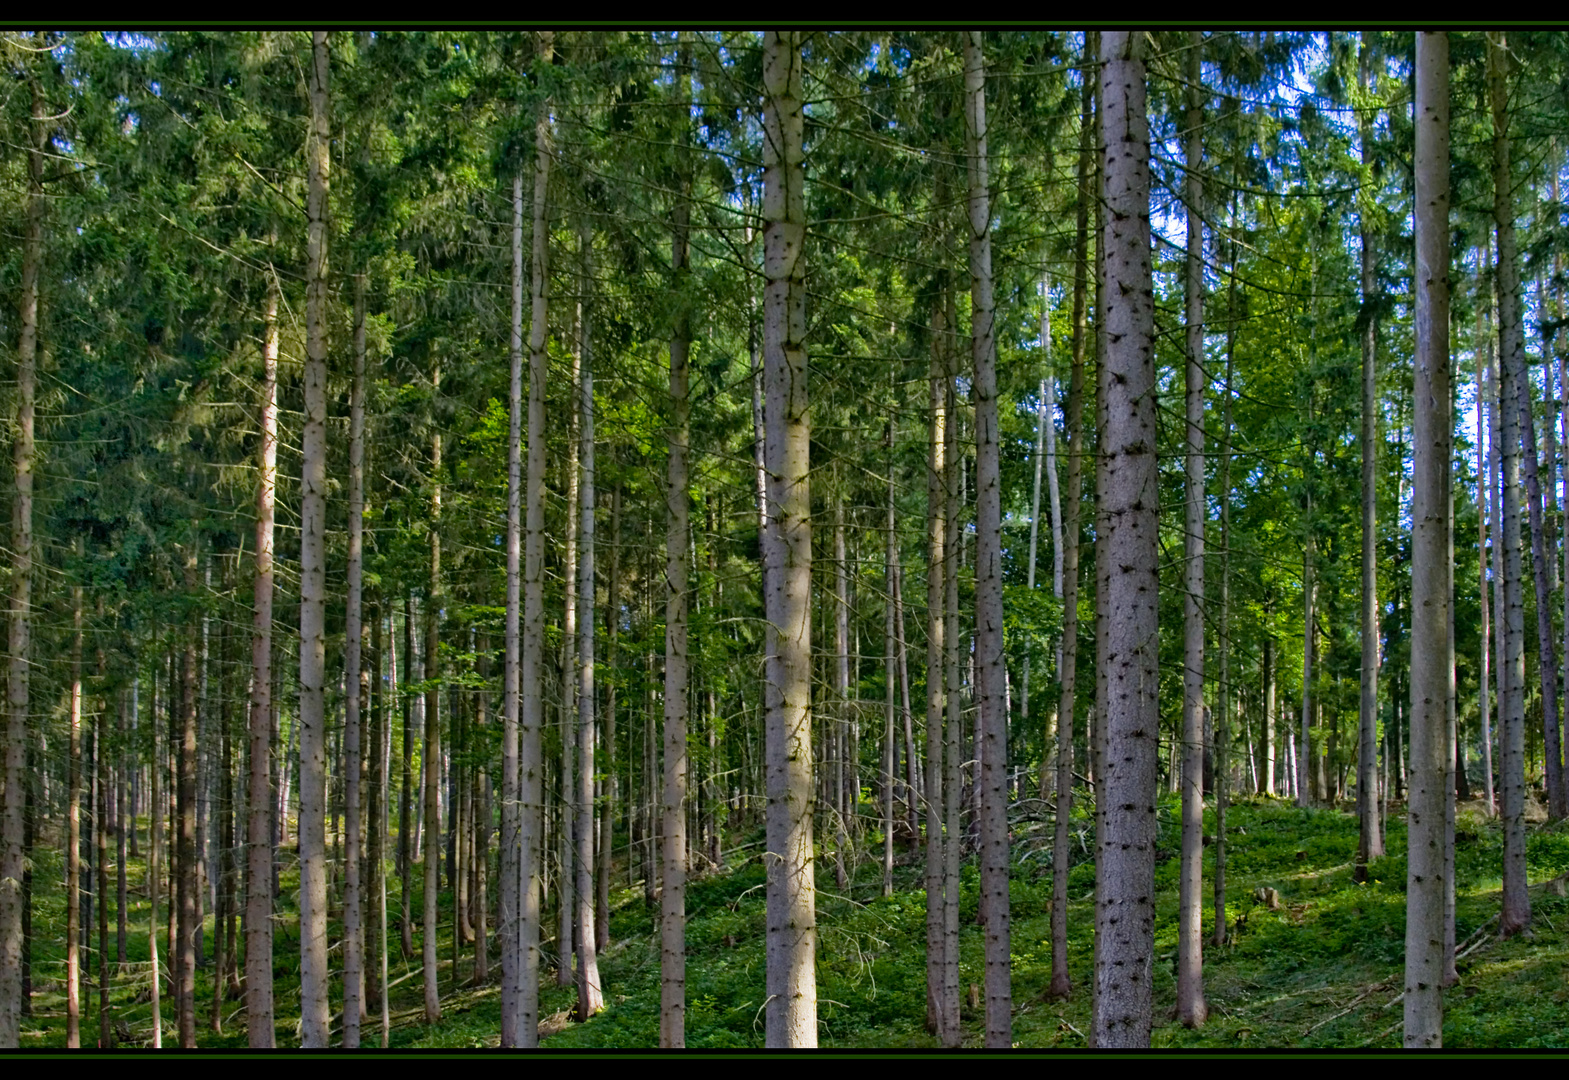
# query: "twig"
{"type": "Point", "coordinates": [1360, 998]}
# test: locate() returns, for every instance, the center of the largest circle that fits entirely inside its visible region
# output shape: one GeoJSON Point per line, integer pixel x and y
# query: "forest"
{"type": "Point", "coordinates": [719, 538]}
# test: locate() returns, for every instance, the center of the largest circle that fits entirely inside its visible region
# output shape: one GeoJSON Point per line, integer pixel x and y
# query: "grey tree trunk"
{"type": "Point", "coordinates": [1511, 351]}
{"type": "Point", "coordinates": [1432, 679]}
{"type": "Point", "coordinates": [315, 1018]}
{"type": "Point", "coordinates": [612, 799]}
{"type": "Point", "coordinates": [507, 929]}
{"type": "Point", "coordinates": [13, 840]}
{"type": "Point", "coordinates": [791, 1005]}
{"type": "Point", "coordinates": [1125, 923]}
{"type": "Point", "coordinates": [567, 772]}
{"type": "Point", "coordinates": [353, 915]}
{"type": "Point", "coordinates": [672, 919]}
{"type": "Point", "coordinates": [590, 999]}
{"type": "Point", "coordinates": [1226, 702]}
{"type": "Point", "coordinates": [953, 741]}
{"type": "Point", "coordinates": [843, 800]}
{"type": "Point", "coordinates": [992, 690]}
{"type": "Point", "coordinates": [1067, 709]}
{"type": "Point", "coordinates": [531, 715]}
{"type": "Point", "coordinates": [259, 825]}
{"type": "Point", "coordinates": [188, 915]}
{"type": "Point", "coordinates": [430, 751]}
{"type": "Point", "coordinates": [890, 665]}
{"type": "Point", "coordinates": [1370, 843]}
{"type": "Point", "coordinates": [936, 703]}
{"type": "Point", "coordinates": [1303, 786]}
{"type": "Point", "coordinates": [73, 834]}
{"type": "Point", "coordinates": [1191, 1009]}
{"type": "Point", "coordinates": [1488, 525]}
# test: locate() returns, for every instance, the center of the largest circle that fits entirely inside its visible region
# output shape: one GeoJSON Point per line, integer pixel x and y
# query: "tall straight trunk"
{"type": "Point", "coordinates": [672, 908]}
{"type": "Point", "coordinates": [607, 810]}
{"type": "Point", "coordinates": [912, 765]}
{"type": "Point", "coordinates": [1488, 527]}
{"type": "Point", "coordinates": [482, 817]}
{"type": "Point", "coordinates": [841, 692]}
{"type": "Point", "coordinates": [1494, 497]}
{"type": "Point", "coordinates": [353, 919]}
{"type": "Point", "coordinates": [259, 823]}
{"type": "Point", "coordinates": [1563, 383]}
{"type": "Point", "coordinates": [1304, 792]}
{"type": "Point", "coordinates": [13, 846]}
{"type": "Point", "coordinates": [590, 999]}
{"type": "Point", "coordinates": [1226, 707]}
{"type": "Point", "coordinates": [936, 650]}
{"type": "Point", "coordinates": [373, 706]}
{"type": "Point", "coordinates": [407, 815]}
{"type": "Point", "coordinates": [992, 690]}
{"type": "Point", "coordinates": [1268, 674]}
{"type": "Point", "coordinates": [1125, 923]}
{"type": "Point", "coordinates": [567, 771]}
{"type": "Point", "coordinates": [430, 751]}
{"type": "Point", "coordinates": [1191, 1009]}
{"type": "Point", "coordinates": [953, 740]}
{"type": "Point", "coordinates": [1370, 843]}
{"type": "Point", "coordinates": [1067, 709]}
{"type": "Point", "coordinates": [791, 1003]}
{"type": "Point", "coordinates": [385, 695]}
{"type": "Point", "coordinates": [315, 1019]}
{"type": "Point", "coordinates": [890, 667]}
{"type": "Point", "coordinates": [73, 834]}
{"type": "Point", "coordinates": [1511, 351]}
{"type": "Point", "coordinates": [531, 711]}
{"type": "Point", "coordinates": [154, 842]}
{"type": "Point", "coordinates": [1432, 679]}
{"type": "Point", "coordinates": [124, 820]}
{"type": "Point", "coordinates": [103, 808]}
{"type": "Point", "coordinates": [509, 897]}
{"type": "Point", "coordinates": [185, 799]}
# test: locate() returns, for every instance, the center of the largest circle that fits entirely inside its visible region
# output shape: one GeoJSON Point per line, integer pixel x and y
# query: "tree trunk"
{"type": "Point", "coordinates": [154, 843]}
{"type": "Point", "coordinates": [315, 1019]}
{"type": "Point", "coordinates": [1191, 1010]}
{"type": "Point", "coordinates": [1370, 843]}
{"type": "Point", "coordinates": [567, 773]}
{"type": "Point", "coordinates": [1305, 792]}
{"type": "Point", "coordinates": [890, 666]}
{"type": "Point", "coordinates": [590, 999]}
{"type": "Point", "coordinates": [531, 712]}
{"type": "Point", "coordinates": [430, 751]}
{"type": "Point", "coordinates": [1487, 526]}
{"type": "Point", "coordinates": [189, 917]}
{"type": "Point", "coordinates": [1268, 665]}
{"type": "Point", "coordinates": [936, 650]}
{"type": "Point", "coordinates": [672, 919]}
{"type": "Point", "coordinates": [1511, 350]}
{"type": "Point", "coordinates": [509, 898]}
{"type": "Point", "coordinates": [259, 825]}
{"type": "Point", "coordinates": [791, 1003]}
{"type": "Point", "coordinates": [1067, 710]}
{"type": "Point", "coordinates": [992, 691]}
{"type": "Point", "coordinates": [1125, 924]}
{"type": "Point", "coordinates": [607, 812]}
{"type": "Point", "coordinates": [73, 835]}
{"type": "Point", "coordinates": [1431, 679]}
{"type": "Point", "coordinates": [14, 991]}
{"type": "Point", "coordinates": [353, 924]}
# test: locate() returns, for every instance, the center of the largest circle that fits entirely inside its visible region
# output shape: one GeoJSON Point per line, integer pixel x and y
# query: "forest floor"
{"type": "Point", "coordinates": [1323, 969]}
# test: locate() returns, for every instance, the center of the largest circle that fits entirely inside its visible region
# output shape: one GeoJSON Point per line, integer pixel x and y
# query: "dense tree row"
{"type": "Point", "coordinates": [591, 437]}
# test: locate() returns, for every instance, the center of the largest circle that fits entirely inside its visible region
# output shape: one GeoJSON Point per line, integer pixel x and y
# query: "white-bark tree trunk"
{"type": "Point", "coordinates": [507, 925]}
{"type": "Point", "coordinates": [353, 925]}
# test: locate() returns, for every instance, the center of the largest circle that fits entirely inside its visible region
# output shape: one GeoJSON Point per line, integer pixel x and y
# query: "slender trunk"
{"type": "Point", "coordinates": [1488, 526]}
{"type": "Point", "coordinates": [430, 751]}
{"type": "Point", "coordinates": [567, 771]}
{"type": "Point", "coordinates": [531, 710]}
{"type": "Point", "coordinates": [101, 825]}
{"type": "Point", "coordinates": [73, 835]}
{"type": "Point", "coordinates": [1227, 708]}
{"type": "Point", "coordinates": [1067, 709]}
{"type": "Point", "coordinates": [590, 999]}
{"type": "Point", "coordinates": [14, 902]}
{"type": "Point", "coordinates": [189, 914]}
{"type": "Point", "coordinates": [1371, 840]}
{"type": "Point", "coordinates": [154, 843]}
{"type": "Point", "coordinates": [890, 666]}
{"type": "Point", "coordinates": [1511, 350]}
{"type": "Point", "coordinates": [509, 897]}
{"type": "Point", "coordinates": [672, 918]}
{"type": "Point", "coordinates": [841, 692]}
{"type": "Point", "coordinates": [259, 826]}
{"type": "Point", "coordinates": [1432, 680]}
{"type": "Point", "coordinates": [1309, 595]}
{"type": "Point", "coordinates": [1494, 504]}
{"type": "Point", "coordinates": [936, 650]}
{"type": "Point", "coordinates": [791, 1003]}
{"type": "Point", "coordinates": [953, 741]}
{"type": "Point", "coordinates": [315, 1019]}
{"type": "Point", "coordinates": [607, 811]}
{"type": "Point", "coordinates": [353, 922]}
{"type": "Point", "coordinates": [1124, 916]}
{"type": "Point", "coordinates": [1191, 1009]}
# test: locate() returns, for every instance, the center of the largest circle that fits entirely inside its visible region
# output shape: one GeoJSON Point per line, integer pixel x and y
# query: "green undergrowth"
{"type": "Point", "coordinates": [1321, 969]}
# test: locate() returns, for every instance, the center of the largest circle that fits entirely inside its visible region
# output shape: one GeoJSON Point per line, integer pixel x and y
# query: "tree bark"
{"type": "Point", "coordinates": [590, 999]}
{"type": "Point", "coordinates": [259, 826]}
{"type": "Point", "coordinates": [189, 918]}
{"type": "Point", "coordinates": [353, 919]}
{"type": "Point", "coordinates": [430, 751]}
{"type": "Point", "coordinates": [1432, 680]}
{"type": "Point", "coordinates": [1191, 1009]}
{"type": "Point", "coordinates": [1370, 843]}
{"type": "Point", "coordinates": [1067, 709]}
{"type": "Point", "coordinates": [315, 1019]}
{"type": "Point", "coordinates": [1487, 524]}
{"type": "Point", "coordinates": [672, 920]}
{"type": "Point", "coordinates": [791, 1004]}
{"type": "Point", "coordinates": [1511, 350]}
{"type": "Point", "coordinates": [13, 842]}
{"type": "Point", "coordinates": [73, 834]}
{"type": "Point", "coordinates": [509, 897]}
{"type": "Point", "coordinates": [1125, 922]}
{"type": "Point", "coordinates": [936, 701]}
{"type": "Point", "coordinates": [531, 712]}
